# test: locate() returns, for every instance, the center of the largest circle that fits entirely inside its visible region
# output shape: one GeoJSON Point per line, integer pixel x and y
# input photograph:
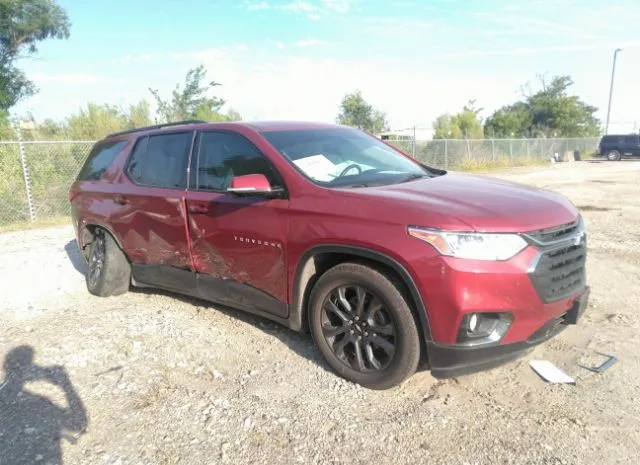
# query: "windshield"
{"type": "Point", "coordinates": [344, 157]}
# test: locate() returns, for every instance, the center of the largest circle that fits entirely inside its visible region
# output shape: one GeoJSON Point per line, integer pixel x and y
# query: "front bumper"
{"type": "Point", "coordinates": [446, 361]}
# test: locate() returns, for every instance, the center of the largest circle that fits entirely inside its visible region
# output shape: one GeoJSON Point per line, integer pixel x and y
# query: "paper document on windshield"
{"type": "Point", "coordinates": [317, 167]}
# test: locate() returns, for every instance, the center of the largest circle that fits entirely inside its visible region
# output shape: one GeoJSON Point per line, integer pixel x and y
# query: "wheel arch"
{"type": "Point", "coordinates": [318, 259]}
{"type": "Point", "coordinates": [87, 233]}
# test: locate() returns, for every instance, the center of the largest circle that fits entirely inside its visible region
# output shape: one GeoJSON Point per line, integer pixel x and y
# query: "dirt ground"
{"type": "Point", "coordinates": [154, 378]}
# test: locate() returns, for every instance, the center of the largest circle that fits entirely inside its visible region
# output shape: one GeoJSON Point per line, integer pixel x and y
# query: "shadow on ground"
{"type": "Point", "coordinates": [75, 257]}
{"type": "Point", "coordinates": [301, 343]}
{"type": "Point", "coordinates": [604, 160]}
{"type": "Point", "coordinates": [32, 426]}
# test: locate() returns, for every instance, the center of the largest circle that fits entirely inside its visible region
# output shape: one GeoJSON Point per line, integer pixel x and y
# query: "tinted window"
{"type": "Point", "coordinates": [631, 140]}
{"type": "Point", "coordinates": [225, 155]}
{"type": "Point", "coordinates": [161, 161]}
{"type": "Point", "coordinates": [99, 160]}
{"type": "Point", "coordinates": [613, 140]}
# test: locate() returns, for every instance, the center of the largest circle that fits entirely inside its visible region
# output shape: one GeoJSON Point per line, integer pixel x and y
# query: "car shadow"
{"type": "Point", "coordinates": [301, 343]}
{"type": "Point", "coordinates": [75, 257]}
{"type": "Point", "coordinates": [32, 426]}
{"type": "Point", "coordinates": [604, 160]}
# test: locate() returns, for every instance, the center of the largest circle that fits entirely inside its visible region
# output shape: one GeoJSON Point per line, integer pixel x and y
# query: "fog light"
{"type": "Point", "coordinates": [483, 328]}
{"type": "Point", "coordinates": [473, 322]}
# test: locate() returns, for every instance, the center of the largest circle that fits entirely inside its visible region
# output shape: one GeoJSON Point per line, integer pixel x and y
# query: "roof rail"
{"type": "Point", "coordinates": [157, 126]}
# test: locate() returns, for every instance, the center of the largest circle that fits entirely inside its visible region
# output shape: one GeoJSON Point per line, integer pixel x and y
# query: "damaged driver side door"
{"type": "Point", "coordinates": [237, 242]}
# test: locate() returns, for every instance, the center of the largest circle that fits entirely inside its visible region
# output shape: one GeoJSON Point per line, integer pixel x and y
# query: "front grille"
{"type": "Point", "coordinates": [560, 272]}
{"type": "Point", "coordinates": [552, 235]}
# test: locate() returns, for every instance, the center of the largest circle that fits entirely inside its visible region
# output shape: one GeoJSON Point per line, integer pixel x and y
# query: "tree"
{"type": "Point", "coordinates": [6, 131]}
{"type": "Point", "coordinates": [356, 112]}
{"type": "Point", "coordinates": [444, 128]}
{"type": "Point", "coordinates": [46, 130]}
{"type": "Point", "coordinates": [24, 23]}
{"type": "Point", "coordinates": [549, 112]}
{"type": "Point", "coordinates": [509, 121]}
{"type": "Point", "coordinates": [463, 125]}
{"type": "Point", "coordinates": [96, 121]}
{"type": "Point", "coordinates": [139, 115]}
{"type": "Point", "coordinates": [192, 102]}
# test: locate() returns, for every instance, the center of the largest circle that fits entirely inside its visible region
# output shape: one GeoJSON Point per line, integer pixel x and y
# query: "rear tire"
{"type": "Point", "coordinates": [363, 326]}
{"type": "Point", "coordinates": [614, 155]}
{"type": "Point", "coordinates": [109, 272]}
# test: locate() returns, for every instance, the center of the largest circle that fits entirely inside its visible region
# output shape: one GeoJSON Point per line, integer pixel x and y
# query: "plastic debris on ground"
{"type": "Point", "coordinates": [551, 373]}
{"type": "Point", "coordinates": [608, 363]}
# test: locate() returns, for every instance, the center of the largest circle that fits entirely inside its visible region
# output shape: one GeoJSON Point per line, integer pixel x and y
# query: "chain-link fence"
{"type": "Point", "coordinates": [466, 154]}
{"type": "Point", "coordinates": [35, 176]}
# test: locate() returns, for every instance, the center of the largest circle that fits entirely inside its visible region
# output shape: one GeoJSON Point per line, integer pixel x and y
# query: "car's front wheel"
{"type": "Point", "coordinates": [614, 155]}
{"type": "Point", "coordinates": [109, 272]}
{"type": "Point", "coordinates": [363, 325]}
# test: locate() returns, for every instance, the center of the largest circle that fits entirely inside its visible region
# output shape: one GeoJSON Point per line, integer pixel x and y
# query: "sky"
{"type": "Point", "coordinates": [296, 59]}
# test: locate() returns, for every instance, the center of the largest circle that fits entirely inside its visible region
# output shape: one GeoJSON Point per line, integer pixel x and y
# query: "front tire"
{"type": "Point", "coordinates": [109, 272]}
{"type": "Point", "coordinates": [363, 326]}
{"type": "Point", "coordinates": [614, 155]}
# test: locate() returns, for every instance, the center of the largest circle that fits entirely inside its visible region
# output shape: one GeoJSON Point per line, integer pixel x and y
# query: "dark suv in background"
{"type": "Point", "coordinates": [615, 147]}
{"type": "Point", "coordinates": [327, 229]}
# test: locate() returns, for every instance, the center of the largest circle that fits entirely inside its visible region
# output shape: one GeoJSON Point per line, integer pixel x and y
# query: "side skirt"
{"type": "Point", "coordinates": [225, 292]}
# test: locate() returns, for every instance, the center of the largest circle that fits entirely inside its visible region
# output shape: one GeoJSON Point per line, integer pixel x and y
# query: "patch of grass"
{"type": "Point", "coordinates": [37, 224]}
{"type": "Point", "coordinates": [148, 398]}
{"type": "Point", "coordinates": [594, 208]}
{"type": "Point", "coordinates": [501, 163]}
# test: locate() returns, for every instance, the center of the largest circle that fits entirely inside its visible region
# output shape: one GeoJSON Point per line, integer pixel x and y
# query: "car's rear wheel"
{"type": "Point", "coordinates": [363, 325]}
{"type": "Point", "coordinates": [109, 272]}
{"type": "Point", "coordinates": [614, 155]}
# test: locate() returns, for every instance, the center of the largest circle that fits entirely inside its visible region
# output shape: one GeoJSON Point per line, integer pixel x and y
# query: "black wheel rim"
{"type": "Point", "coordinates": [96, 260]}
{"type": "Point", "coordinates": [358, 328]}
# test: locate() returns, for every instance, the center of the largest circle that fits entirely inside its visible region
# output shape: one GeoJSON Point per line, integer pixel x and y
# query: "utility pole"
{"type": "Point", "coordinates": [413, 143]}
{"type": "Point", "coordinates": [613, 73]}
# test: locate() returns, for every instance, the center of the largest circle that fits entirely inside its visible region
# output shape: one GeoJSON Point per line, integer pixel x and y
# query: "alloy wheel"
{"type": "Point", "coordinates": [358, 328]}
{"type": "Point", "coordinates": [96, 260]}
{"type": "Point", "coordinates": [614, 155]}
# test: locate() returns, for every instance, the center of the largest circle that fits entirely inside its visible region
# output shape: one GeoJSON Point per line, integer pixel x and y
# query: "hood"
{"type": "Point", "coordinates": [482, 203]}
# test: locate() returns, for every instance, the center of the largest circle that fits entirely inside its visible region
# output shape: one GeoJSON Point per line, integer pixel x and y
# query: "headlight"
{"type": "Point", "coordinates": [473, 246]}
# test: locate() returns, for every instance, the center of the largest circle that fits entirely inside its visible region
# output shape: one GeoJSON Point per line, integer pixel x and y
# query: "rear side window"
{"type": "Point", "coordinates": [99, 160]}
{"type": "Point", "coordinates": [612, 140]}
{"type": "Point", "coordinates": [161, 161]}
{"type": "Point", "coordinates": [223, 155]}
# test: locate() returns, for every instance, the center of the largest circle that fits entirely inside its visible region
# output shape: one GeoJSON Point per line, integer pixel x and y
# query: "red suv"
{"type": "Point", "coordinates": [327, 229]}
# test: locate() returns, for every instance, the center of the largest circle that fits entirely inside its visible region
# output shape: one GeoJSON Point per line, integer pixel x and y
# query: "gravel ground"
{"type": "Point", "coordinates": [154, 378]}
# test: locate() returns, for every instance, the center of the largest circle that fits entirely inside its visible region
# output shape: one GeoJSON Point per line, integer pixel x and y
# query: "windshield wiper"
{"type": "Point", "coordinates": [414, 176]}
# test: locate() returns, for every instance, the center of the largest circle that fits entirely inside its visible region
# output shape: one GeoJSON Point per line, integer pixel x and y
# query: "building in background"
{"type": "Point", "coordinates": [407, 134]}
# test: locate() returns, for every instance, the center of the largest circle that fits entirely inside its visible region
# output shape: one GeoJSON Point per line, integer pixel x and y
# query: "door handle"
{"type": "Point", "coordinates": [198, 208]}
{"type": "Point", "coordinates": [120, 200]}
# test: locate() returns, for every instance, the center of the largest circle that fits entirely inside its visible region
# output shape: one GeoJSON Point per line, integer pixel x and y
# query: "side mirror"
{"type": "Point", "coordinates": [250, 185]}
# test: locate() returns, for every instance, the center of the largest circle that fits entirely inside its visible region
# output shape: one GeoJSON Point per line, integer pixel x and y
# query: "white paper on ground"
{"type": "Point", "coordinates": [550, 372]}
